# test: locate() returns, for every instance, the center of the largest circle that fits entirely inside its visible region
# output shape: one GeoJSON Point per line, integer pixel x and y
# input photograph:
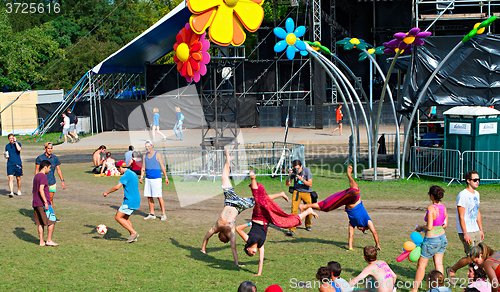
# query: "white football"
{"type": "Point", "coordinates": [102, 229]}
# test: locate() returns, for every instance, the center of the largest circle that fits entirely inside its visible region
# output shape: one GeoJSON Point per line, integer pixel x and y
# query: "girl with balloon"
{"type": "Point", "coordinates": [434, 243]}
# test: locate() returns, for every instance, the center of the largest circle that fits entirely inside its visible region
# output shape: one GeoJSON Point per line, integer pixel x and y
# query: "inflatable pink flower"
{"type": "Point", "coordinates": [191, 54]}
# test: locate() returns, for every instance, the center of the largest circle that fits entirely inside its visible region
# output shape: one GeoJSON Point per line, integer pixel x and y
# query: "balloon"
{"type": "Point", "coordinates": [416, 237]}
{"type": "Point", "coordinates": [290, 52]}
{"type": "Point", "coordinates": [403, 256]}
{"type": "Point", "coordinates": [289, 25]}
{"type": "Point", "coordinates": [280, 46]}
{"type": "Point", "coordinates": [409, 246]}
{"type": "Point", "coordinates": [415, 254]}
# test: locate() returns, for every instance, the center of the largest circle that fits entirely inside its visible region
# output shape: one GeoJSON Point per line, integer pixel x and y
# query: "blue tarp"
{"type": "Point", "coordinates": [150, 46]}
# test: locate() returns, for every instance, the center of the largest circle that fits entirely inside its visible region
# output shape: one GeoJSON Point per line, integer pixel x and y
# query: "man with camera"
{"type": "Point", "coordinates": [302, 183]}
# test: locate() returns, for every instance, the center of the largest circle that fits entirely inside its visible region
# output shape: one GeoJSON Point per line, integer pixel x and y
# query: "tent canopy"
{"type": "Point", "coordinates": [150, 46]}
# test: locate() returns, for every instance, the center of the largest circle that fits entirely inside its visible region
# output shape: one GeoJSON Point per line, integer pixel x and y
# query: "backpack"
{"type": "Point", "coordinates": [182, 117]}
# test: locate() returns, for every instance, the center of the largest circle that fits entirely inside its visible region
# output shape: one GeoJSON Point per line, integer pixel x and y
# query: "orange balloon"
{"type": "Point", "coordinates": [409, 245]}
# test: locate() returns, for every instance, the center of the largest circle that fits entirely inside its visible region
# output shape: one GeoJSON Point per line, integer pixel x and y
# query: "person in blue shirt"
{"type": "Point", "coordinates": [155, 126]}
{"type": "Point", "coordinates": [178, 124]}
{"type": "Point", "coordinates": [54, 161]}
{"type": "Point", "coordinates": [131, 199]}
{"type": "Point", "coordinates": [128, 154]}
{"type": "Point", "coordinates": [14, 164]}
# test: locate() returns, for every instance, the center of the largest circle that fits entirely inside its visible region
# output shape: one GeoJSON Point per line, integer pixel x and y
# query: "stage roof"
{"type": "Point", "coordinates": [150, 46]}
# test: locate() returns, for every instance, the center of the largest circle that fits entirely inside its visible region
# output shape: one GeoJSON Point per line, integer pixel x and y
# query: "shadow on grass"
{"type": "Point", "coordinates": [112, 233]}
{"type": "Point", "coordinates": [213, 262]}
{"type": "Point", "coordinates": [4, 193]}
{"type": "Point", "coordinates": [21, 234]}
{"type": "Point", "coordinates": [136, 212]}
{"type": "Point", "coordinates": [26, 213]}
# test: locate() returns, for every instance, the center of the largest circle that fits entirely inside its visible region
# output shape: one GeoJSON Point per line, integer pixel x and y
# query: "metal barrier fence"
{"type": "Point", "coordinates": [261, 158]}
{"type": "Point", "coordinates": [261, 161]}
{"type": "Point", "coordinates": [452, 164]}
{"type": "Point", "coordinates": [297, 150]}
{"type": "Point", "coordinates": [486, 163]}
{"type": "Point", "coordinates": [436, 162]}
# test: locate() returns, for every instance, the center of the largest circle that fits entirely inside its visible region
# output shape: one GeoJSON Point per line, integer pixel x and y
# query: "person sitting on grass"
{"type": "Point", "coordinates": [330, 279]}
{"type": "Point", "coordinates": [233, 206]}
{"type": "Point", "coordinates": [247, 286]}
{"type": "Point", "coordinates": [485, 257]}
{"type": "Point", "coordinates": [135, 163]}
{"type": "Point", "coordinates": [478, 278]}
{"type": "Point", "coordinates": [131, 199]}
{"type": "Point", "coordinates": [266, 211]}
{"type": "Point", "coordinates": [97, 159]}
{"type": "Point", "coordinates": [110, 166]}
{"type": "Point", "coordinates": [435, 282]}
{"type": "Point", "coordinates": [384, 278]}
{"type": "Point", "coordinates": [356, 212]}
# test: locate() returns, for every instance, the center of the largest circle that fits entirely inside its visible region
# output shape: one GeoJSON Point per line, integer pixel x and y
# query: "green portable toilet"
{"type": "Point", "coordinates": [473, 131]}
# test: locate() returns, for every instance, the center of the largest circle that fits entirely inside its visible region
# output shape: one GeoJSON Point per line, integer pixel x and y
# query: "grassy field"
{"type": "Point", "coordinates": [166, 256]}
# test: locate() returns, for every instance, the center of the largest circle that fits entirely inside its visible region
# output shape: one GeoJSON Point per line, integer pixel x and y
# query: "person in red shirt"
{"type": "Point", "coordinates": [339, 116]}
{"type": "Point", "coordinates": [266, 211]}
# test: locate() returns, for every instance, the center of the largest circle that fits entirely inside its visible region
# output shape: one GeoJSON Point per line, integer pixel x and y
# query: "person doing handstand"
{"type": "Point", "coordinates": [358, 217]}
{"type": "Point", "coordinates": [233, 206]}
{"type": "Point", "coordinates": [266, 211]}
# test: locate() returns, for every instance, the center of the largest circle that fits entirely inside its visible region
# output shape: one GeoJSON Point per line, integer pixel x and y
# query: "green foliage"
{"type": "Point", "coordinates": [52, 51]}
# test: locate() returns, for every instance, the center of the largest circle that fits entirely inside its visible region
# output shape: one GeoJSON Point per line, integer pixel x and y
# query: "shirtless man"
{"type": "Point", "coordinates": [233, 206]}
{"type": "Point", "coordinates": [382, 275]}
{"type": "Point", "coordinates": [97, 159]}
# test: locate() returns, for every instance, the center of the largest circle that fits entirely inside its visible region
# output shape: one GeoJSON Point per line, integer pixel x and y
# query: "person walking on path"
{"type": "Point", "coordinates": [152, 168]}
{"type": "Point", "coordinates": [41, 203]}
{"type": "Point", "coordinates": [73, 120]}
{"type": "Point", "coordinates": [435, 241]}
{"type": "Point", "coordinates": [14, 164]}
{"type": "Point", "coordinates": [339, 117]}
{"type": "Point", "coordinates": [131, 199]}
{"type": "Point", "coordinates": [469, 221]}
{"type": "Point", "coordinates": [178, 124]}
{"type": "Point", "coordinates": [65, 124]}
{"type": "Point", "coordinates": [54, 161]}
{"type": "Point", "coordinates": [156, 124]}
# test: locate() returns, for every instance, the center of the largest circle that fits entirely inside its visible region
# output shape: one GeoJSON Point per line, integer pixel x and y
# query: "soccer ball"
{"type": "Point", "coordinates": [102, 229]}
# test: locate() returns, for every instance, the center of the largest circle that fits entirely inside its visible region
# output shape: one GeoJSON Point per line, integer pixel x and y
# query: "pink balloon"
{"type": "Point", "coordinates": [403, 256]}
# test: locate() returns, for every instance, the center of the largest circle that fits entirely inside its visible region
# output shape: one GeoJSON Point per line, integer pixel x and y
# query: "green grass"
{"type": "Point", "coordinates": [166, 256]}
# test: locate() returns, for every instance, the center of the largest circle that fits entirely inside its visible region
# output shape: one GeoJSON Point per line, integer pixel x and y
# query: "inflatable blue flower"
{"type": "Point", "coordinates": [290, 39]}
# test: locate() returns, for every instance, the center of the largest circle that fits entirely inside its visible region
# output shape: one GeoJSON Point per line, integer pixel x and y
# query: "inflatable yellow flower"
{"type": "Point", "coordinates": [226, 19]}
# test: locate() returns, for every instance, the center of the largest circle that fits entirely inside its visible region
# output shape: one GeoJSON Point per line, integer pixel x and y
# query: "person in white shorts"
{"type": "Point", "coordinates": [152, 168]}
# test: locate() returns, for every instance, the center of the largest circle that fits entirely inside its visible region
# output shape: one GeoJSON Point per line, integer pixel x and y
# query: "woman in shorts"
{"type": "Point", "coordinates": [435, 242]}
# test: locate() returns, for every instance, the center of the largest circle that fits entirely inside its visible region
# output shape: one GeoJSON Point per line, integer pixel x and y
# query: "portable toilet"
{"type": "Point", "coordinates": [474, 132]}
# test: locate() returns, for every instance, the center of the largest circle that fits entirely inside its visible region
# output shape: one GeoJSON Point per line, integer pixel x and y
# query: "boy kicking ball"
{"type": "Point", "coordinates": [131, 200]}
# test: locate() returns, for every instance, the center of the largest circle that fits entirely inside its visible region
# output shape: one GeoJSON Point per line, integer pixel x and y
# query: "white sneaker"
{"type": "Point", "coordinates": [19, 193]}
{"type": "Point", "coordinates": [11, 195]}
{"type": "Point", "coordinates": [150, 216]}
{"type": "Point", "coordinates": [164, 217]}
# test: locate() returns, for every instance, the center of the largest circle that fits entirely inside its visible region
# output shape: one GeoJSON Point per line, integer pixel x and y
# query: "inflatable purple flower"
{"type": "Point", "coordinates": [404, 41]}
